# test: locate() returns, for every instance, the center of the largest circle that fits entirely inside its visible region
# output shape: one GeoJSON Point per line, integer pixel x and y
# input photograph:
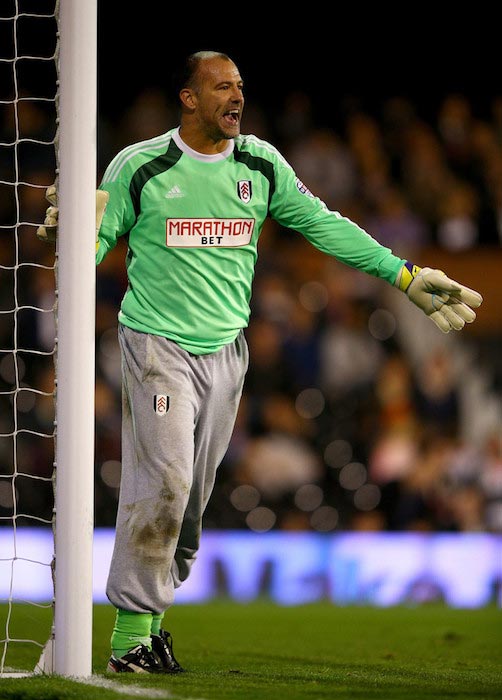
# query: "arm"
{"type": "Point", "coordinates": [447, 303]}
{"type": "Point", "coordinates": [48, 230]}
{"type": "Point", "coordinates": [112, 198]}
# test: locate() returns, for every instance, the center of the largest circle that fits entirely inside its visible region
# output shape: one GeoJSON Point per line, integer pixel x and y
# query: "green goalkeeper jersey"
{"type": "Point", "coordinates": [193, 223]}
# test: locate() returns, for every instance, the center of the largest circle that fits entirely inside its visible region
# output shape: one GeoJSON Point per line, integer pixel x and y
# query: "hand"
{"type": "Point", "coordinates": [444, 301]}
{"type": "Point", "coordinates": [48, 231]}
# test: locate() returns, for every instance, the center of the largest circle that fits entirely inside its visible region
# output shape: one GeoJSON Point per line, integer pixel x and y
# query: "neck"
{"type": "Point", "coordinates": [201, 142]}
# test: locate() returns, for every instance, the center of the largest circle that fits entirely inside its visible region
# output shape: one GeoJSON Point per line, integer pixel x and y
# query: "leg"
{"type": "Point", "coordinates": [157, 466]}
{"type": "Point", "coordinates": [213, 430]}
{"type": "Point", "coordinates": [168, 472]}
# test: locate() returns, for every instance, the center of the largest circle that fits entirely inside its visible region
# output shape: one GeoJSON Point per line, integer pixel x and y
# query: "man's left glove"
{"type": "Point", "coordinates": [48, 230]}
{"type": "Point", "coordinates": [446, 302]}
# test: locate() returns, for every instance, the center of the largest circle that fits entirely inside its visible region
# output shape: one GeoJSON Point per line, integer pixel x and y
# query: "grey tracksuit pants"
{"type": "Point", "coordinates": [178, 415]}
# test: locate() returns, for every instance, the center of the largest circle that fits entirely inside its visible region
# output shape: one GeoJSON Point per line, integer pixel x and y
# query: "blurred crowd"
{"type": "Point", "coordinates": [357, 413]}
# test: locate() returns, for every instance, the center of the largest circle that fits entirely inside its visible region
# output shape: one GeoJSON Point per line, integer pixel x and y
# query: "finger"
{"type": "Point", "coordinates": [51, 194]}
{"type": "Point", "coordinates": [469, 296]}
{"type": "Point", "coordinates": [462, 310]}
{"type": "Point", "coordinates": [52, 212]}
{"type": "Point", "coordinates": [47, 233]}
{"type": "Point", "coordinates": [440, 321]}
{"type": "Point", "coordinates": [42, 233]}
{"type": "Point", "coordinates": [456, 322]}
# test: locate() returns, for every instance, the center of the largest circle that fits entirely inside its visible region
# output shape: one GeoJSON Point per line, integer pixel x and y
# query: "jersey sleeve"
{"type": "Point", "coordinates": [295, 207]}
{"type": "Point", "coordinates": [119, 215]}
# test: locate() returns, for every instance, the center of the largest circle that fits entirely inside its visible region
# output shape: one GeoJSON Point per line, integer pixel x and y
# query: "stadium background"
{"type": "Point", "coordinates": [396, 122]}
{"type": "Point", "coordinates": [357, 414]}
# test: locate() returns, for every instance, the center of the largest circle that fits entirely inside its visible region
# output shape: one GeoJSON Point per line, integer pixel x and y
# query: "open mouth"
{"type": "Point", "coordinates": [232, 117]}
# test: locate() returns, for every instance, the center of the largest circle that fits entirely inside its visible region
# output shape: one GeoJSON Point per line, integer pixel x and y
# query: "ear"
{"type": "Point", "coordinates": [188, 98]}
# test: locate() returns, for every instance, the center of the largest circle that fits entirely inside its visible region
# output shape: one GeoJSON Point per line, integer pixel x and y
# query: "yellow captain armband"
{"type": "Point", "coordinates": [406, 276]}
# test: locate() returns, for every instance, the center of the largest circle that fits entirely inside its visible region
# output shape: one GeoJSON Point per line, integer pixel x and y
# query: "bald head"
{"type": "Point", "coordinates": [186, 77]}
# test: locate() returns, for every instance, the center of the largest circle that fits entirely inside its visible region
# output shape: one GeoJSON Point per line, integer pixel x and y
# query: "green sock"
{"type": "Point", "coordinates": [130, 629]}
{"type": "Point", "coordinates": [156, 623]}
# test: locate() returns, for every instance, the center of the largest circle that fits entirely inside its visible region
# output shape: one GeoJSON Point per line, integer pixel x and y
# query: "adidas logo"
{"type": "Point", "coordinates": [174, 192]}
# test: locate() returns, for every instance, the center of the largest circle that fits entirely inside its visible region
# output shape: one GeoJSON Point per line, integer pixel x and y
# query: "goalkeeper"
{"type": "Point", "coordinates": [192, 203]}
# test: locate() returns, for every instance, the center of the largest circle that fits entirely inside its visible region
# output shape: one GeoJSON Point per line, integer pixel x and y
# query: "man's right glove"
{"type": "Point", "coordinates": [48, 231]}
{"type": "Point", "coordinates": [443, 300]}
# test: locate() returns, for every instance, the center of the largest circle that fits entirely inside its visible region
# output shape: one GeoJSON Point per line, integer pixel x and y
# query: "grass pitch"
{"type": "Point", "coordinates": [260, 651]}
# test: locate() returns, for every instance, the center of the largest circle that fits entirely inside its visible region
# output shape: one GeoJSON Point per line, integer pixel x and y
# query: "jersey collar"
{"type": "Point", "coordinates": [204, 157]}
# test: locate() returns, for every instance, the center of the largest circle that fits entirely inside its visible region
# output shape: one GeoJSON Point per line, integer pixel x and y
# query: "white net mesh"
{"type": "Point", "coordinates": [28, 134]}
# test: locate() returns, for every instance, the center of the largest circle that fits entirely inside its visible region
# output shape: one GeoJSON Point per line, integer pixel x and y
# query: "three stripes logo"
{"type": "Point", "coordinates": [161, 404]}
{"type": "Point", "coordinates": [244, 190]}
{"type": "Point", "coordinates": [174, 192]}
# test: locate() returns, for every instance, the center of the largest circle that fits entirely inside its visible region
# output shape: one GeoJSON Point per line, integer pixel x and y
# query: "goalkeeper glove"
{"type": "Point", "coordinates": [48, 231]}
{"type": "Point", "coordinates": [443, 300]}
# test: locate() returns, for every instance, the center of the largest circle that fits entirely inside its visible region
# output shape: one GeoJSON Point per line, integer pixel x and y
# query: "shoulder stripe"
{"type": "Point", "coordinates": [116, 165]}
{"type": "Point", "coordinates": [164, 161]}
{"type": "Point", "coordinates": [266, 146]}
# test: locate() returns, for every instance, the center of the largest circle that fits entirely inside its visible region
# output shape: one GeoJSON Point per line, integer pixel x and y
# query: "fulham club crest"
{"type": "Point", "coordinates": [161, 404]}
{"type": "Point", "coordinates": [244, 190]}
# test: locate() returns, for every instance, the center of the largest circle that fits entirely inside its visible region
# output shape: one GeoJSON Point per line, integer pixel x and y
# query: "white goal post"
{"type": "Point", "coordinates": [75, 367]}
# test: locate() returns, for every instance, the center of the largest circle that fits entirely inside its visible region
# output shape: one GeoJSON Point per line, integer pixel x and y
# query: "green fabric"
{"type": "Point", "coordinates": [193, 224]}
{"type": "Point", "coordinates": [130, 629]}
{"type": "Point", "coordinates": [156, 623]}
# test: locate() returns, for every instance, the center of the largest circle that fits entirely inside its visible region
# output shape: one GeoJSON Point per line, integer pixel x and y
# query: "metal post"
{"type": "Point", "coordinates": [76, 344]}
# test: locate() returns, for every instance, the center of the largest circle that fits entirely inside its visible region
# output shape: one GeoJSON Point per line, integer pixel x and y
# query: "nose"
{"type": "Point", "coordinates": [237, 95]}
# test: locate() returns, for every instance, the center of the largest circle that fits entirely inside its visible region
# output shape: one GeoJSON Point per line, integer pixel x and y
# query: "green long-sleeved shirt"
{"type": "Point", "coordinates": [193, 223]}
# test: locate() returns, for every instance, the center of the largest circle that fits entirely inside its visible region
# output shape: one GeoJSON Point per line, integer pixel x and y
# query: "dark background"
{"type": "Point", "coordinates": [332, 53]}
{"type": "Point", "coordinates": [419, 51]}
{"type": "Point", "coordinates": [348, 62]}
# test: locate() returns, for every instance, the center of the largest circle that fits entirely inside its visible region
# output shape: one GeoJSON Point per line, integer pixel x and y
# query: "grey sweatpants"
{"type": "Point", "coordinates": [178, 415]}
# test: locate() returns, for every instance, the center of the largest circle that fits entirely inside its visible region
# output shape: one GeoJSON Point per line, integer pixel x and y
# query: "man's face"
{"type": "Point", "coordinates": [219, 98]}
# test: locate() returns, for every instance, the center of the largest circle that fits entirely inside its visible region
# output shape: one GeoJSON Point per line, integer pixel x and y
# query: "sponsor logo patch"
{"type": "Point", "coordinates": [161, 404]}
{"type": "Point", "coordinates": [303, 188]}
{"type": "Point", "coordinates": [206, 233]}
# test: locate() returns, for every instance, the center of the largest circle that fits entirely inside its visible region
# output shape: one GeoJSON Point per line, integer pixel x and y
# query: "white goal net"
{"type": "Point", "coordinates": [41, 338]}
{"type": "Point", "coordinates": [28, 128]}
